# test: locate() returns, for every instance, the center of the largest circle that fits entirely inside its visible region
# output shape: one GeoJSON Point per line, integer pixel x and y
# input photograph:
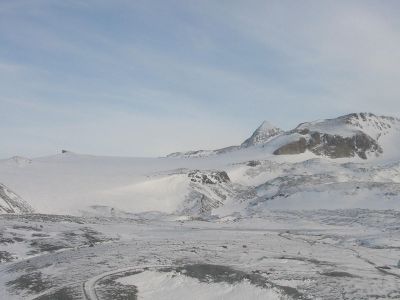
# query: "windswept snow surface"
{"type": "Point", "coordinates": [258, 180]}
{"type": "Point", "coordinates": [69, 183]}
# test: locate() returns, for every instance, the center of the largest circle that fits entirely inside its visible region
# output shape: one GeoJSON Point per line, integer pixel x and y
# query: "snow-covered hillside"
{"type": "Point", "coordinates": [11, 202]}
{"type": "Point", "coordinates": [347, 162]}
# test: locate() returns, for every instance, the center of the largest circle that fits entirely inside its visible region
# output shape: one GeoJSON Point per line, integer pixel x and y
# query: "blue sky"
{"type": "Point", "coordinates": [145, 78]}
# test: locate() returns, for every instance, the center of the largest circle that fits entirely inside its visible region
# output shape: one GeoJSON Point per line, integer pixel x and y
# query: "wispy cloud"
{"type": "Point", "coordinates": [204, 71]}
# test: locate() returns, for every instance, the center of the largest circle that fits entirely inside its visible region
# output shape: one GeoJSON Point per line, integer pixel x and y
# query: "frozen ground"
{"type": "Point", "coordinates": [325, 254]}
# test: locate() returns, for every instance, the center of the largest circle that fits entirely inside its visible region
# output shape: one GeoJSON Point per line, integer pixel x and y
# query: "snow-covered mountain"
{"type": "Point", "coordinates": [355, 135]}
{"type": "Point", "coordinates": [262, 135]}
{"type": "Point", "coordinates": [362, 135]}
{"type": "Point", "coordinates": [347, 162]}
{"type": "Point", "coordinates": [265, 132]}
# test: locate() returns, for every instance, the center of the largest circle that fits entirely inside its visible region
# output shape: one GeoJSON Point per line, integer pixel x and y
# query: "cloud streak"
{"type": "Point", "coordinates": [71, 70]}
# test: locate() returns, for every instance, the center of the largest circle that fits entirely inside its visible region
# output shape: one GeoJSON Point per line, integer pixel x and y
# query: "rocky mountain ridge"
{"type": "Point", "coordinates": [353, 135]}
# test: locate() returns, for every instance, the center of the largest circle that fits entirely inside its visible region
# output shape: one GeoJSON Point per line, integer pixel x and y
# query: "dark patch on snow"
{"type": "Point", "coordinates": [66, 293]}
{"type": "Point", "coordinates": [253, 163]}
{"type": "Point", "coordinates": [338, 274]}
{"type": "Point", "coordinates": [5, 257]}
{"type": "Point", "coordinates": [109, 289]}
{"type": "Point", "coordinates": [224, 274]}
{"type": "Point", "coordinates": [209, 177]}
{"type": "Point", "coordinates": [31, 282]}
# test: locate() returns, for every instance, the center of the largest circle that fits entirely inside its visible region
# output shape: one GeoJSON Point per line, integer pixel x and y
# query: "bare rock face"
{"type": "Point", "coordinates": [209, 190]}
{"type": "Point", "coordinates": [253, 163]}
{"type": "Point", "coordinates": [209, 177]}
{"type": "Point", "coordinates": [297, 147]}
{"type": "Point", "coordinates": [347, 136]}
{"type": "Point", "coordinates": [199, 204]}
{"type": "Point", "coordinates": [336, 146]}
{"type": "Point", "coordinates": [333, 146]}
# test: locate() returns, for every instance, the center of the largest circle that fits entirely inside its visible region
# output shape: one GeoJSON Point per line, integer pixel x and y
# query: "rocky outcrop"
{"type": "Point", "coordinates": [336, 146]}
{"type": "Point", "coordinates": [209, 177]}
{"type": "Point", "coordinates": [199, 204]}
{"type": "Point", "coordinates": [209, 190]}
{"type": "Point", "coordinates": [333, 146]}
{"type": "Point", "coordinates": [297, 147]}
{"type": "Point", "coordinates": [353, 135]}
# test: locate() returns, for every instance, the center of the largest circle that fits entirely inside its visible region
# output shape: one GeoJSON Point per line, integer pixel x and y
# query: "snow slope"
{"type": "Point", "coordinates": [173, 285]}
{"type": "Point", "coordinates": [257, 178]}
{"type": "Point", "coordinates": [11, 202]}
{"type": "Point", "coordinates": [262, 135]}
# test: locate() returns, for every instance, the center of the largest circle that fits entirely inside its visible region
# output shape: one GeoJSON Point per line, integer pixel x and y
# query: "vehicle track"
{"type": "Point", "coordinates": [89, 286]}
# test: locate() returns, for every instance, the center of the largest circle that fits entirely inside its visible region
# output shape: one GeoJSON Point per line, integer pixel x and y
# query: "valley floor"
{"type": "Point", "coordinates": [325, 254]}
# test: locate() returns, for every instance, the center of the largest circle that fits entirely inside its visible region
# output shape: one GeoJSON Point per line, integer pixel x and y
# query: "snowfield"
{"type": "Point", "coordinates": [309, 213]}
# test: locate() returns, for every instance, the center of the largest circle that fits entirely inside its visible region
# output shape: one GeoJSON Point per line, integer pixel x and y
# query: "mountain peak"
{"type": "Point", "coordinates": [347, 125]}
{"type": "Point", "coordinates": [266, 125]}
{"type": "Point", "coordinates": [262, 134]}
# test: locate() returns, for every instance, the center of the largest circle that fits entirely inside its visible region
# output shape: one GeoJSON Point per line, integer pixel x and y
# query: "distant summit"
{"type": "Point", "coordinates": [358, 135]}
{"type": "Point", "coordinates": [262, 134]}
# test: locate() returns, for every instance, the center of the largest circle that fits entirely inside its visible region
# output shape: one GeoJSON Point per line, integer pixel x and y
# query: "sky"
{"type": "Point", "coordinates": [146, 78]}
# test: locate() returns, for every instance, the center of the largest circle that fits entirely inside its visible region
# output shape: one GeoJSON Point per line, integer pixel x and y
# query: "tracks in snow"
{"type": "Point", "coordinates": [89, 286]}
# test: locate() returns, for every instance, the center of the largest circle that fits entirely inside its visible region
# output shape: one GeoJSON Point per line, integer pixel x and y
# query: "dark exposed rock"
{"type": "Point", "coordinates": [110, 288]}
{"type": "Point", "coordinates": [363, 133]}
{"type": "Point", "coordinates": [224, 274]}
{"type": "Point", "coordinates": [5, 256]}
{"type": "Point", "coordinates": [334, 146]}
{"type": "Point", "coordinates": [66, 293]}
{"type": "Point", "coordinates": [297, 147]}
{"type": "Point", "coordinates": [198, 204]}
{"type": "Point", "coordinates": [253, 163]}
{"type": "Point", "coordinates": [33, 282]}
{"type": "Point", "coordinates": [209, 177]}
{"type": "Point", "coordinates": [338, 274]}
{"type": "Point", "coordinates": [209, 189]}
